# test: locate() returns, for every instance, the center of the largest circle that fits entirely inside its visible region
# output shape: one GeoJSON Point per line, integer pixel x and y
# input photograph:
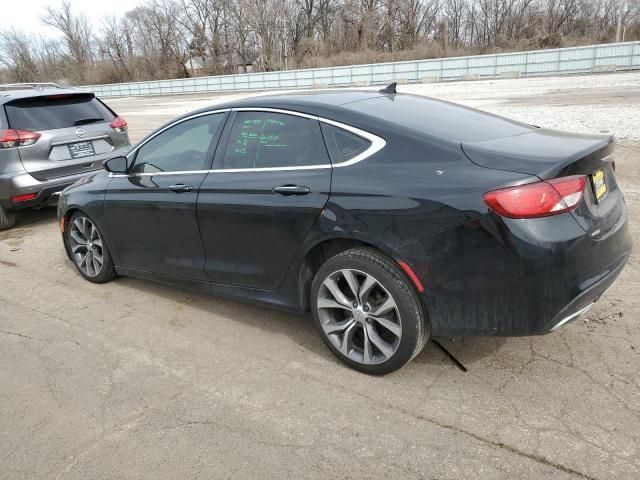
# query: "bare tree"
{"type": "Point", "coordinates": [76, 32]}
{"type": "Point", "coordinates": [158, 33]}
{"type": "Point", "coordinates": [161, 38]}
{"type": "Point", "coordinates": [16, 56]}
{"type": "Point", "coordinates": [116, 44]}
{"type": "Point", "coordinates": [205, 21]}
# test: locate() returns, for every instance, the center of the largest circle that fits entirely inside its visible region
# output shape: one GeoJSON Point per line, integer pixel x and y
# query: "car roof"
{"type": "Point", "coordinates": [335, 97]}
{"type": "Point", "coordinates": [10, 95]}
{"type": "Point", "coordinates": [314, 103]}
{"type": "Point", "coordinates": [327, 104]}
{"type": "Point", "coordinates": [379, 111]}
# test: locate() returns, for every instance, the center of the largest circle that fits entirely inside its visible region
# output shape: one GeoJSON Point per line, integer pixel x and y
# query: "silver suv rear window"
{"type": "Point", "coordinates": [56, 111]}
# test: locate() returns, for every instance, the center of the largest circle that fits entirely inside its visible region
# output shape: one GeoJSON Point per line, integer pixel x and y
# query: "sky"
{"type": "Point", "coordinates": [25, 15]}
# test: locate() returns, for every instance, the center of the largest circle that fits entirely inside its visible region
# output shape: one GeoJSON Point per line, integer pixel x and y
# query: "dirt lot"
{"type": "Point", "coordinates": [137, 380]}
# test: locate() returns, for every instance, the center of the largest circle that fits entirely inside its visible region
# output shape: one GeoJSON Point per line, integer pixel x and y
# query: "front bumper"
{"type": "Point", "coordinates": [496, 276]}
{"type": "Point", "coordinates": [20, 183]}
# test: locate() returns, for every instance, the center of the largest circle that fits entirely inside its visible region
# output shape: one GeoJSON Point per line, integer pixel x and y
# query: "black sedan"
{"type": "Point", "coordinates": [390, 217]}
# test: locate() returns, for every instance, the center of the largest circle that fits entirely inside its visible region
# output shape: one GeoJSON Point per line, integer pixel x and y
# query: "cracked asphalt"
{"type": "Point", "coordinates": [138, 380]}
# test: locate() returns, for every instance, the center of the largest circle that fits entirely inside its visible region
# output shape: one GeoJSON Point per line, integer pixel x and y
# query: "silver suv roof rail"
{"type": "Point", "coordinates": [33, 85]}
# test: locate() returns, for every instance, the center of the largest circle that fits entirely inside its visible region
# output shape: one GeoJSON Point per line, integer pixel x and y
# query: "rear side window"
{"type": "Point", "coordinates": [56, 111]}
{"type": "Point", "coordinates": [343, 145]}
{"type": "Point", "coordinates": [266, 139]}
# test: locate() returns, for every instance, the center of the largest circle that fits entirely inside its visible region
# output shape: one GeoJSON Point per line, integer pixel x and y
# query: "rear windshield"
{"type": "Point", "coordinates": [56, 111]}
{"type": "Point", "coordinates": [441, 119]}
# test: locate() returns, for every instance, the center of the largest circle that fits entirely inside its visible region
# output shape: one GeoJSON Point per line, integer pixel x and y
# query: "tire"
{"type": "Point", "coordinates": [88, 249]}
{"type": "Point", "coordinates": [7, 219]}
{"type": "Point", "coordinates": [379, 329]}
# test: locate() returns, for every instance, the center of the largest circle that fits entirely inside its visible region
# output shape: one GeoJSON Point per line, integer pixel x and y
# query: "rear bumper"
{"type": "Point", "coordinates": [587, 298]}
{"type": "Point", "coordinates": [21, 183]}
{"type": "Point", "coordinates": [515, 277]}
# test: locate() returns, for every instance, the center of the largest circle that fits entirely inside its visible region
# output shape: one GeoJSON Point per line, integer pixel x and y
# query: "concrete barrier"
{"type": "Point", "coordinates": [320, 85]}
{"type": "Point", "coordinates": [604, 68]}
{"type": "Point", "coordinates": [509, 75]}
{"type": "Point", "coordinates": [429, 80]}
{"type": "Point", "coordinates": [360, 83]}
{"type": "Point", "coordinates": [470, 76]}
{"type": "Point", "coordinates": [401, 81]}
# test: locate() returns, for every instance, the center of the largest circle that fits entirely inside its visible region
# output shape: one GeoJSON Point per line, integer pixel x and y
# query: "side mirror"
{"type": "Point", "coordinates": [116, 165]}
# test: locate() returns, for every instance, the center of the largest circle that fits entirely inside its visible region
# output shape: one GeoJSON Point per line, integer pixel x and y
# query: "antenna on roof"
{"type": "Point", "coordinates": [391, 88]}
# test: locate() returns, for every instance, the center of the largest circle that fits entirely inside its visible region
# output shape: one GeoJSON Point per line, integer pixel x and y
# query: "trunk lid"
{"type": "Point", "coordinates": [75, 133]}
{"type": "Point", "coordinates": [550, 154]}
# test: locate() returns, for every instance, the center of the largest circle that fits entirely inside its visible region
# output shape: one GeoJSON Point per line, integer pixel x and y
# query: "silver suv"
{"type": "Point", "coordinates": [49, 138]}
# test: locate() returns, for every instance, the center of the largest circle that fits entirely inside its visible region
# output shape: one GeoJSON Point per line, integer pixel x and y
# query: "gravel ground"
{"type": "Point", "coordinates": [138, 380]}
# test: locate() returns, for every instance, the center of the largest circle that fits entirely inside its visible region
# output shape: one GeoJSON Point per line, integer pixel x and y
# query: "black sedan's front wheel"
{"type": "Point", "coordinates": [367, 312]}
{"type": "Point", "coordinates": [88, 249]}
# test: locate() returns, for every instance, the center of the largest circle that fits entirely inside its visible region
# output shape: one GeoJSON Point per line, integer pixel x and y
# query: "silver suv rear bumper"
{"type": "Point", "coordinates": [21, 183]}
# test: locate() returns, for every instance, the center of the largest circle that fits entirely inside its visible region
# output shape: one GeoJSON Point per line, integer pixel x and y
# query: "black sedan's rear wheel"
{"type": "Point", "coordinates": [367, 312]}
{"type": "Point", "coordinates": [88, 249]}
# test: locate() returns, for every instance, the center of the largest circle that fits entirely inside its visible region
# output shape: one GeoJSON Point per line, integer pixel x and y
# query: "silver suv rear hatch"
{"type": "Point", "coordinates": [76, 133]}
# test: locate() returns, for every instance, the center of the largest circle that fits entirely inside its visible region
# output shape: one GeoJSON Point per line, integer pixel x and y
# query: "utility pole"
{"type": "Point", "coordinates": [284, 41]}
{"type": "Point", "coordinates": [619, 29]}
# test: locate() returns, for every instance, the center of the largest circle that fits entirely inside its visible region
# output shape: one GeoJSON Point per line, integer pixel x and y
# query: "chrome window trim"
{"type": "Point", "coordinates": [79, 140]}
{"type": "Point", "coordinates": [173, 124]}
{"type": "Point", "coordinates": [377, 144]}
{"type": "Point", "coordinates": [275, 110]}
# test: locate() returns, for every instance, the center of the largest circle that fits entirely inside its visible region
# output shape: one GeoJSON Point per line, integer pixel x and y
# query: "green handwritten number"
{"type": "Point", "coordinates": [249, 133]}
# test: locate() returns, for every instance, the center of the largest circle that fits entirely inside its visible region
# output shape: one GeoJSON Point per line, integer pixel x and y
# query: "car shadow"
{"type": "Point", "coordinates": [466, 350]}
{"type": "Point", "coordinates": [31, 216]}
{"type": "Point", "coordinates": [300, 328]}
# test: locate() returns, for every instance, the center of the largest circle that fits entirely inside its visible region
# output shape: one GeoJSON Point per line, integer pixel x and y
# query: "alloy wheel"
{"type": "Point", "coordinates": [359, 316]}
{"type": "Point", "coordinates": [86, 246]}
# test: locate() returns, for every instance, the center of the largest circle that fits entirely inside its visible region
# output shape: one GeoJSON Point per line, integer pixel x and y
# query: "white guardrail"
{"type": "Point", "coordinates": [561, 61]}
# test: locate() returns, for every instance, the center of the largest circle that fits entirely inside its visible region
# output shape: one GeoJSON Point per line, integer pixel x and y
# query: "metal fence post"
{"type": "Point", "coordinates": [559, 61]}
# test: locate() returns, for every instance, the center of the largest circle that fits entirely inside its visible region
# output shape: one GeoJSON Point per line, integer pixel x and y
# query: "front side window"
{"type": "Point", "coordinates": [267, 140]}
{"type": "Point", "coordinates": [182, 148]}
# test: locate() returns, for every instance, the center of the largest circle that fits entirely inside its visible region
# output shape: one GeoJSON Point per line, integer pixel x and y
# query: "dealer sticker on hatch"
{"type": "Point", "coordinates": [599, 185]}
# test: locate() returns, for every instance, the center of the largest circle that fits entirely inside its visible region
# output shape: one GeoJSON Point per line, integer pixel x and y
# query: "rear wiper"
{"type": "Point", "coordinates": [85, 121]}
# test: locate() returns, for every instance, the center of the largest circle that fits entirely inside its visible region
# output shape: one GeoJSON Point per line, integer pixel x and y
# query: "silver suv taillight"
{"type": "Point", "coordinates": [17, 138]}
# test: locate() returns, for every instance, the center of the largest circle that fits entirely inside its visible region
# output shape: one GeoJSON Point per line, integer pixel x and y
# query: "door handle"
{"type": "Point", "coordinates": [291, 190]}
{"type": "Point", "coordinates": [181, 188]}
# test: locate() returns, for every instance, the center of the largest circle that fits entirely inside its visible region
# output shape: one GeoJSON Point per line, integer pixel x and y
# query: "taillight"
{"type": "Point", "coordinates": [17, 138]}
{"type": "Point", "coordinates": [540, 199]}
{"type": "Point", "coordinates": [23, 198]}
{"type": "Point", "coordinates": [119, 124]}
